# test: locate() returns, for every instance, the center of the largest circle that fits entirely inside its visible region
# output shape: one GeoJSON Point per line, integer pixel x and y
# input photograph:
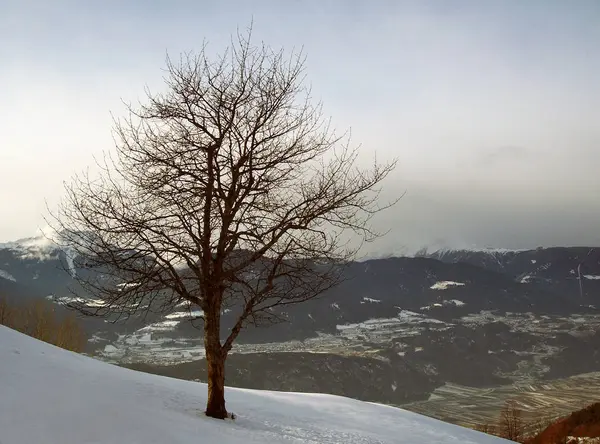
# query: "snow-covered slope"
{"type": "Point", "coordinates": [51, 396]}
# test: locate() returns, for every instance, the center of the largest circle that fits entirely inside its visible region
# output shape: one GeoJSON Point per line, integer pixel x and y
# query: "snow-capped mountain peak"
{"type": "Point", "coordinates": [46, 245]}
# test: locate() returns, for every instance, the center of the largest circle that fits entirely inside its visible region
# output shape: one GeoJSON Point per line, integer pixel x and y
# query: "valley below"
{"type": "Point", "coordinates": [544, 400]}
{"type": "Point", "coordinates": [462, 372]}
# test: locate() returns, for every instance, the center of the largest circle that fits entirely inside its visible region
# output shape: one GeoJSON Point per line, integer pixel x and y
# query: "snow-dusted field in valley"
{"type": "Point", "coordinates": [51, 396]}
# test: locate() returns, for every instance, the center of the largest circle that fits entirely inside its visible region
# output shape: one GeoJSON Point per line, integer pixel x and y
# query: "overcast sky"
{"type": "Point", "coordinates": [491, 107]}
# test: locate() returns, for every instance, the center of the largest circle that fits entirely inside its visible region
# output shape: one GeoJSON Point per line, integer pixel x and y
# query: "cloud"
{"type": "Point", "coordinates": [503, 154]}
{"type": "Point", "coordinates": [492, 110]}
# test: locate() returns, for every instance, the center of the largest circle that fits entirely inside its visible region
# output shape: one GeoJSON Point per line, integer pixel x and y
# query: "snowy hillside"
{"type": "Point", "coordinates": [51, 396]}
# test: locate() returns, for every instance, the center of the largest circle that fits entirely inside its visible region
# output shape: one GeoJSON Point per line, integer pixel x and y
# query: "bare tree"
{"type": "Point", "coordinates": [511, 424]}
{"type": "Point", "coordinates": [5, 312]}
{"type": "Point", "coordinates": [228, 190]}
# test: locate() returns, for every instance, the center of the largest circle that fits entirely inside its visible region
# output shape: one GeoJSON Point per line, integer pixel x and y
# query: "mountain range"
{"type": "Point", "coordinates": [394, 331]}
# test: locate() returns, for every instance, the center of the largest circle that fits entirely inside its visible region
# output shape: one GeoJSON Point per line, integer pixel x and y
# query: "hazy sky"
{"type": "Point", "coordinates": [491, 107]}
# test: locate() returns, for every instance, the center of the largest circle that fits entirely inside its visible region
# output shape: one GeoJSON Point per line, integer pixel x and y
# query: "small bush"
{"type": "Point", "coordinates": [6, 313]}
{"type": "Point", "coordinates": [486, 428]}
{"type": "Point", "coordinates": [39, 320]}
{"type": "Point", "coordinates": [583, 424]}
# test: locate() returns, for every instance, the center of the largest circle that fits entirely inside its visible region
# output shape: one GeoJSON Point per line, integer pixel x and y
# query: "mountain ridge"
{"type": "Point", "coordinates": [455, 319]}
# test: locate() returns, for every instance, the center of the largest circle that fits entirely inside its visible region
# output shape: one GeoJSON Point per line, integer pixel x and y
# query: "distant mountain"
{"type": "Point", "coordinates": [478, 318]}
{"type": "Point", "coordinates": [14, 291]}
{"type": "Point", "coordinates": [573, 272]}
{"type": "Point", "coordinates": [38, 263]}
{"type": "Point", "coordinates": [444, 285]}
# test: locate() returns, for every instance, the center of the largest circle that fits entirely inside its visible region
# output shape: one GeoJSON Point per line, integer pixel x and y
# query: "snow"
{"type": "Point", "coordinates": [591, 277]}
{"type": "Point", "coordinates": [160, 326]}
{"type": "Point", "coordinates": [95, 303]}
{"type": "Point", "coordinates": [7, 275]}
{"type": "Point", "coordinates": [369, 324]}
{"type": "Point", "coordinates": [472, 249]}
{"type": "Point", "coordinates": [582, 440]}
{"type": "Point", "coordinates": [70, 255]}
{"type": "Point", "coordinates": [374, 301]}
{"type": "Point", "coordinates": [42, 247]}
{"type": "Point", "coordinates": [443, 285]}
{"type": "Point", "coordinates": [409, 316]}
{"type": "Point", "coordinates": [45, 245]}
{"type": "Point", "coordinates": [127, 285]}
{"type": "Point", "coordinates": [110, 349]}
{"type": "Point", "coordinates": [455, 302]}
{"type": "Point", "coordinates": [53, 396]}
{"type": "Point", "coordinates": [185, 314]}
{"type": "Point", "coordinates": [526, 279]}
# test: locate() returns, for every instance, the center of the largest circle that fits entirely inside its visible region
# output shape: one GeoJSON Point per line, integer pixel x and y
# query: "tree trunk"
{"type": "Point", "coordinates": [215, 362]}
{"type": "Point", "coordinates": [215, 406]}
